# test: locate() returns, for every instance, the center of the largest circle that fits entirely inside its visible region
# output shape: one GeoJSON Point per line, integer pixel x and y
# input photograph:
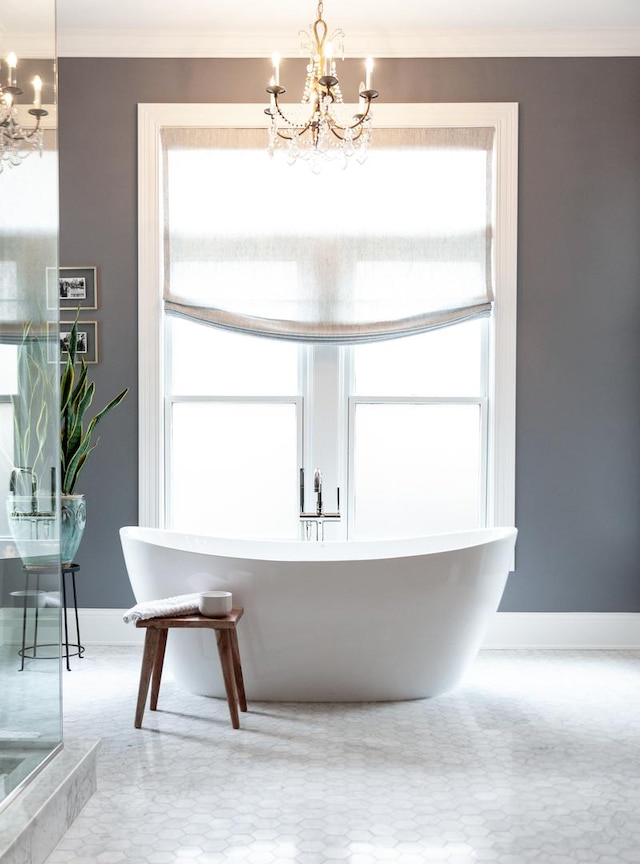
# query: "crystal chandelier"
{"type": "Point", "coordinates": [322, 127]}
{"type": "Point", "coordinates": [16, 142]}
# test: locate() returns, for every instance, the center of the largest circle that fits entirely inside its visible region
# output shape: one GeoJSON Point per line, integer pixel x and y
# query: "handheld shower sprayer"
{"type": "Point", "coordinates": [14, 480]}
{"type": "Point", "coordinates": [319, 517]}
{"type": "Point", "coordinates": [317, 488]}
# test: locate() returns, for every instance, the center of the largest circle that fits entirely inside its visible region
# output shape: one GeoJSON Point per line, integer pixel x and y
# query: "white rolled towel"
{"type": "Point", "coordinates": [182, 604]}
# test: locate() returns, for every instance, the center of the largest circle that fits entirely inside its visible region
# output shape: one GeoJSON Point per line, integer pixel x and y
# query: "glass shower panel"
{"type": "Point", "coordinates": [30, 668]}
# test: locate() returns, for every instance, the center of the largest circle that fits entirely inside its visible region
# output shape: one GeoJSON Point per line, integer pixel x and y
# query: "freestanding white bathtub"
{"type": "Point", "coordinates": [335, 621]}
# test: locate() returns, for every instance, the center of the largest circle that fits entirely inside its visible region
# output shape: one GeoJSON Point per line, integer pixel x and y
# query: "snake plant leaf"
{"type": "Point", "coordinates": [77, 394]}
{"type": "Point", "coordinates": [81, 384]}
{"type": "Point", "coordinates": [81, 448]}
{"type": "Point", "coordinates": [41, 430]}
{"type": "Point", "coordinates": [113, 404]}
{"type": "Point", "coordinates": [66, 388]}
{"type": "Point", "coordinates": [31, 403]}
{"type": "Point", "coordinates": [78, 409]}
{"type": "Point", "coordinates": [76, 464]}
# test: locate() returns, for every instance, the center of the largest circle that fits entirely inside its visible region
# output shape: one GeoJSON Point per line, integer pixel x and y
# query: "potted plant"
{"type": "Point", "coordinates": [76, 433]}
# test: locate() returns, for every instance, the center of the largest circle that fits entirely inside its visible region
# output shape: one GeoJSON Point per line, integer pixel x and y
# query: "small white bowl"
{"type": "Point", "coordinates": [215, 604]}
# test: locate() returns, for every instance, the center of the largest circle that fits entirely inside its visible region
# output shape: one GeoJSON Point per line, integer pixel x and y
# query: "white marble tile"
{"type": "Point", "coordinates": [36, 819]}
{"type": "Point", "coordinates": [533, 759]}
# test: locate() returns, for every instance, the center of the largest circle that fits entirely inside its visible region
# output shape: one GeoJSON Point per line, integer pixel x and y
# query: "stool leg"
{"type": "Point", "coordinates": [237, 669]}
{"type": "Point", "coordinates": [226, 661]}
{"type": "Point", "coordinates": [150, 645]}
{"type": "Point", "coordinates": [157, 668]}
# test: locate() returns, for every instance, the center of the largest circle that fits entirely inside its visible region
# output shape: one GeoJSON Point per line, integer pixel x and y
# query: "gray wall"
{"type": "Point", "coordinates": [578, 415]}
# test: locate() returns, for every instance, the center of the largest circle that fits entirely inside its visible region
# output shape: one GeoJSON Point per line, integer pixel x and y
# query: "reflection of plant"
{"type": "Point", "coordinates": [76, 396]}
{"type": "Point", "coordinates": [36, 392]}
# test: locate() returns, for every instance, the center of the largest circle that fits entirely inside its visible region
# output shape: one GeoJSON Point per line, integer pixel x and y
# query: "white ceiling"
{"type": "Point", "coordinates": [375, 15]}
{"type": "Point", "coordinates": [257, 27]}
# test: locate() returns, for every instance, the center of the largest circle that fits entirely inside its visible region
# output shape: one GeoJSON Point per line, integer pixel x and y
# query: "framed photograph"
{"type": "Point", "coordinates": [72, 288]}
{"type": "Point", "coordinates": [86, 341]}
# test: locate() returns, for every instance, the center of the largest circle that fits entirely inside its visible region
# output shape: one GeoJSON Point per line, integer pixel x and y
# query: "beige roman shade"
{"type": "Point", "coordinates": [398, 245]}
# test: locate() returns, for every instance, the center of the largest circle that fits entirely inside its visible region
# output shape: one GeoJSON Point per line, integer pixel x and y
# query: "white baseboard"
{"type": "Point", "coordinates": [97, 627]}
{"type": "Point", "coordinates": [552, 630]}
{"type": "Point", "coordinates": [507, 629]}
{"type": "Point", "coordinates": [106, 627]}
{"type": "Point", "coordinates": [564, 630]}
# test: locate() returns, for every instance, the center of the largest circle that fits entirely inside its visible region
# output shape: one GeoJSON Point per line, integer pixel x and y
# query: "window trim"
{"type": "Point", "coordinates": [503, 117]}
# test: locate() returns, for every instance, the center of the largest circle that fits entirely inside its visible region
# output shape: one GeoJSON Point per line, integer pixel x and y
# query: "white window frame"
{"type": "Point", "coordinates": [501, 413]}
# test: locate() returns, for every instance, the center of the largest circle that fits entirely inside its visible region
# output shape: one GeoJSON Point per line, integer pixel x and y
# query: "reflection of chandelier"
{"type": "Point", "coordinates": [16, 142]}
{"type": "Point", "coordinates": [322, 127]}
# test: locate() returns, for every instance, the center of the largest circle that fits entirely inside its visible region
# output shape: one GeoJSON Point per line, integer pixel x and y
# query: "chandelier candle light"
{"type": "Point", "coordinates": [322, 127]}
{"type": "Point", "coordinates": [16, 142]}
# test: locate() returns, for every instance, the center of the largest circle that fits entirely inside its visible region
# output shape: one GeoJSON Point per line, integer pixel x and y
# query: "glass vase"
{"type": "Point", "coordinates": [73, 517]}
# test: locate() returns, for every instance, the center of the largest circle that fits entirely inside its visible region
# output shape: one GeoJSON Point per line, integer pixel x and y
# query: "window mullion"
{"type": "Point", "coordinates": [325, 423]}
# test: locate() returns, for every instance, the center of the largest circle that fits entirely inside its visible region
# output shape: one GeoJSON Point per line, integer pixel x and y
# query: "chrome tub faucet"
{"type": "Point", "coordinates": [320, 516]}
{"type": "Point", "coordinates": [317, 488]}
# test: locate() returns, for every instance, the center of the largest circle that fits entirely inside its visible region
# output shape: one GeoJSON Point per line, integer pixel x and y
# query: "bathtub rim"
{"type": "Point", "coordinates": [330, 550]}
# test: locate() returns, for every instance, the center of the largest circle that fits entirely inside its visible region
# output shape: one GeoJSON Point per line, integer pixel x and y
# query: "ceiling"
{"type": "Point", "coordinates": [257, 27]}
{"type": "Point", "coordinates": [353, 14]}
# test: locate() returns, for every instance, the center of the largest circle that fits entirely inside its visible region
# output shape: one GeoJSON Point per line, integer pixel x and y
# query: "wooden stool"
{"type": "Point", "coordinates": [155, 643]}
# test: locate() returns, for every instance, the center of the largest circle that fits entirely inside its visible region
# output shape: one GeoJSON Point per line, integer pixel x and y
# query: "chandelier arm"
{"type": "Point", "coordinates": [334, 131]}
{"type": "Point", "coordinates": [38, 114]}
{"type": "Point", "coordinates": [359, 122]}
{"type": "Point", "coordinates": [302, 129]}
{"type": "Point", "coordinates": [10, 124]}
{"type": "Point", "coordinates": [291, 137]}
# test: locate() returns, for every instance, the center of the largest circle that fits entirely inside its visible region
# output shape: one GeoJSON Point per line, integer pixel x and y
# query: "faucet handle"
{"type": "Point", "coordinates": [317, 480]}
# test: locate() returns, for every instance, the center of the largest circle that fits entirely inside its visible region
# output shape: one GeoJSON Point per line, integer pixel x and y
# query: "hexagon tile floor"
{"type": "Point", "coordinates": [535, 758]}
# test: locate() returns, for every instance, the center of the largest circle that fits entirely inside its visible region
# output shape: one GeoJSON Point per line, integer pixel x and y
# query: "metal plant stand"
{"type": "Point", "coordinates": [69, 649]}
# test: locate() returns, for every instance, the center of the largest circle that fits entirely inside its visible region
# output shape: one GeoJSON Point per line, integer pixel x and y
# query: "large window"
{"type": "Point", "coordinates": [399, 426]}
{"type": "Point", "coordinates": [417, 432]}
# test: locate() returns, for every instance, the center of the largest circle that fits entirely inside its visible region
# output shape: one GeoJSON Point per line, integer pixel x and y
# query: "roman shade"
{"type": "Point", "coordinates": [29, 244]}
{"type": "Point", "coordinates": [398, 245]}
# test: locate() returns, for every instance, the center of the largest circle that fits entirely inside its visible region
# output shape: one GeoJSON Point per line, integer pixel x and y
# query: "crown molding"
{"type": "Point", "coordinates": [32, 46]}
{"type": "Point", "coordinates": [609, 42]}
